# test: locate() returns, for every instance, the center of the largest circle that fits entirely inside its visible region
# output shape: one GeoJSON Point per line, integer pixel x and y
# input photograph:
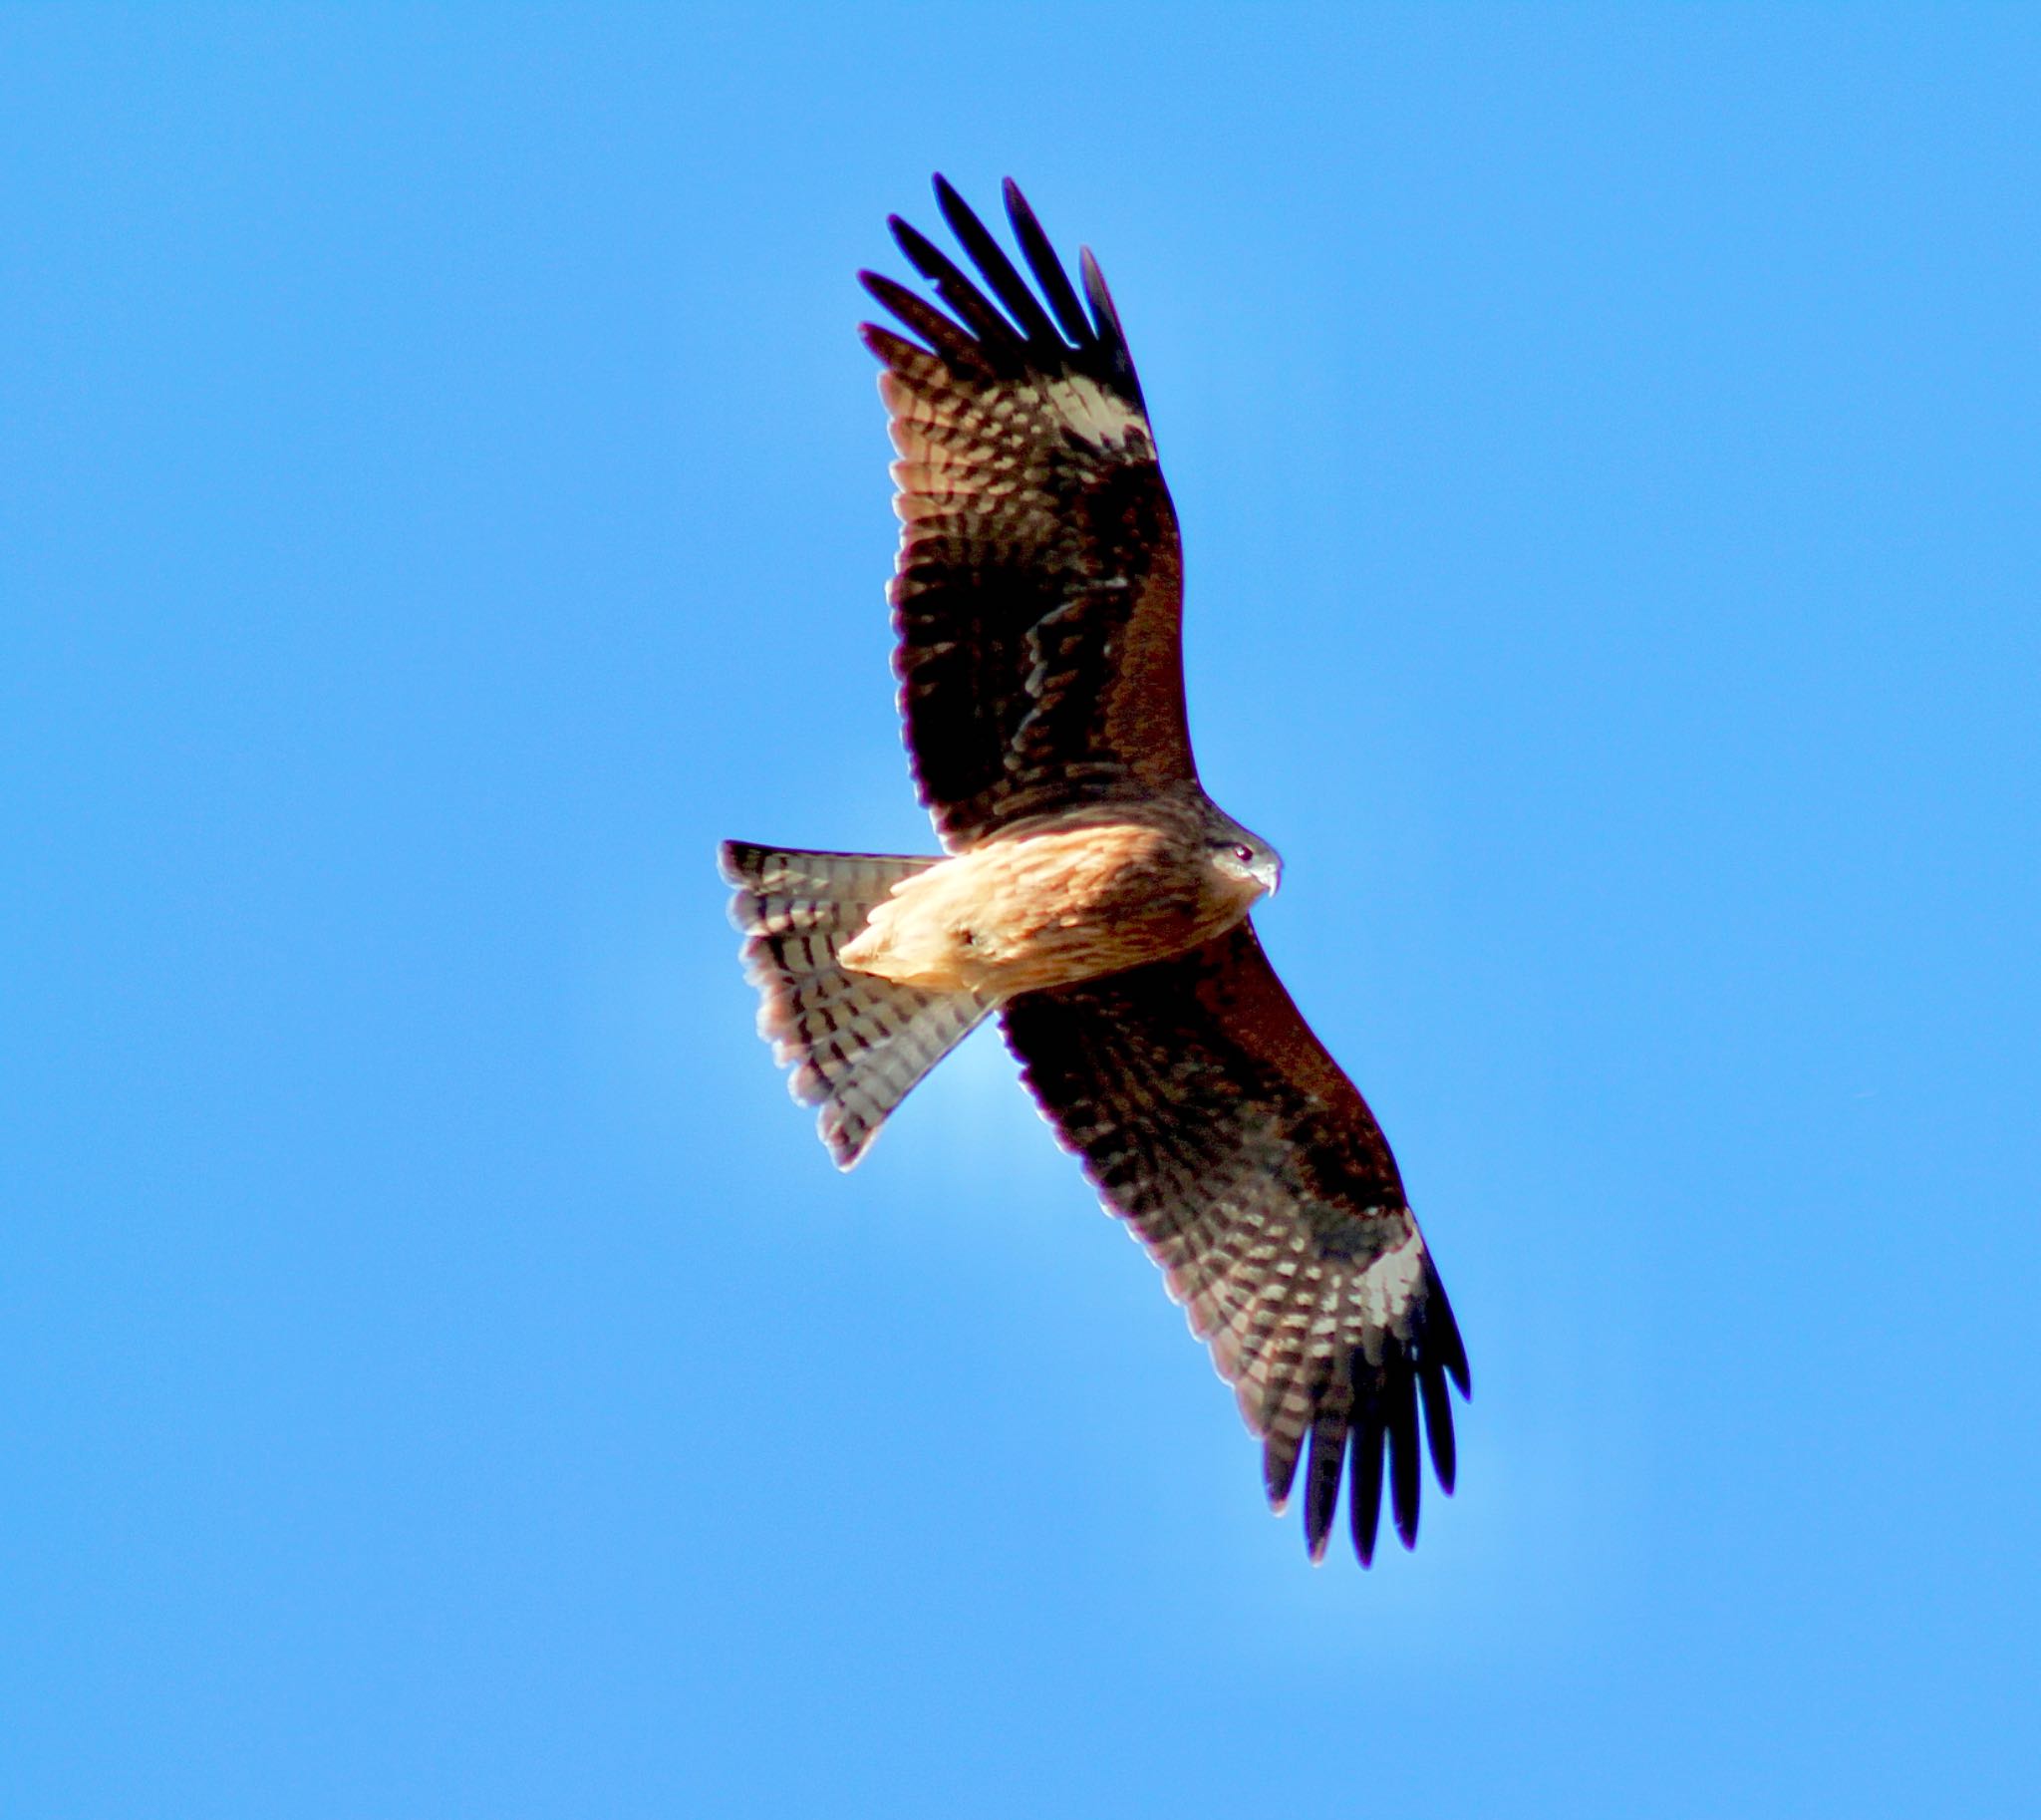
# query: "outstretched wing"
{"type": "Point", "coordinates": [1214, 1124]}
{"type": "Point", "coordinates": [1037, 597]}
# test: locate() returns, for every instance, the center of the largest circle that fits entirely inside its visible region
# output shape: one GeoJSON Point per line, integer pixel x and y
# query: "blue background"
{"type": "Point", "coordinates": [441, 494]}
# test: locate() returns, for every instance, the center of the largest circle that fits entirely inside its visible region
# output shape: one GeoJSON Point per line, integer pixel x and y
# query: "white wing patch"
{"type": "Point", "coordinates": [1096, 414]}
{"type": "Point", "coordinates": [1385, 1292]}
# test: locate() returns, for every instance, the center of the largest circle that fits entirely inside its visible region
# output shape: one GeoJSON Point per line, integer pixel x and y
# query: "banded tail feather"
{"type": "Point", "coordinates": [857, 1044]}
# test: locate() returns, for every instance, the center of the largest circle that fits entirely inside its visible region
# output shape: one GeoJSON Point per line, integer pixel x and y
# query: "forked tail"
{"type": "Point", "coordinates": [857, 1043]}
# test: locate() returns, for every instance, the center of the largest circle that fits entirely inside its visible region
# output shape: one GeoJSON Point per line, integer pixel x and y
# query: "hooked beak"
{"type": "Point", "coordinates": [1269, 874]}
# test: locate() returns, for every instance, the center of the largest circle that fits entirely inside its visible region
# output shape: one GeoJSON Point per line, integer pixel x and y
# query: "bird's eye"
{"type": "Point", "coordinates": [1246, 855]}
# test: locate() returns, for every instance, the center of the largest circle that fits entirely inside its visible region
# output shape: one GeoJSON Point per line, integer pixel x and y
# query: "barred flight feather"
{"type": "Point", "coordinates": [1213, 1122]}
{"type": "Point", "coordinates": [1037, 596]}
{"type": "Point", "coordinates": [857, 1045]}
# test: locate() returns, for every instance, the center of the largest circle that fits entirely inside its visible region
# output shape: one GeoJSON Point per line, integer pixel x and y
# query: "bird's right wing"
{"type": "Point", "coordinates": [1038, 592]}
{"type": "Point", "coordinates": [1213, 1121]}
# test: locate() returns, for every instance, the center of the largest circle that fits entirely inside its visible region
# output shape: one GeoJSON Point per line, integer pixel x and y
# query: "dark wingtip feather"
{"type": "Point", "coordinates": [1279, 1470]}
{"type": "Point", "coordinates": [1404, 1479]}
{"type": "Point", "coordinates": [885, 346]}
{"type": "Point", "coordinates": [951, 204]}
{"type": "Point", "coordinates": [1364, 1498]}
{"type": "Point", "coordinates": [1111, 336]}
{"type": "Point", "coordinates": [1046, 267]}
{"type": "Point", "coordinates": [921, 251]}
{"type": "Point", "coordinates": [1438, 1423]}
{"type": "Point", "coordinates": [925, 320]}
{"type": "Point", "coordinates": [1322, 1480]}
{"type": "Point", "coordinates": [1443, 1332]}
{"type": "Point", "coordinates": [1103, 314]}
{"type": "Point", "coordinates": [1456, 1363]}
{"type": "Point", "coordinates": [952, 285]}
{"type": "Point", "coordinates": [991, 259]}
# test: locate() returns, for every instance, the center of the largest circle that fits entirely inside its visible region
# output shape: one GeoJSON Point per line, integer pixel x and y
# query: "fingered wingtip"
{"type": "Point", "coordinates": [1095, 292]}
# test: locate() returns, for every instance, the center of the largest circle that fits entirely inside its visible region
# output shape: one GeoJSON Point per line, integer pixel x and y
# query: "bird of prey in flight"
{"type": "Point", "coordinates": [1091, 894]}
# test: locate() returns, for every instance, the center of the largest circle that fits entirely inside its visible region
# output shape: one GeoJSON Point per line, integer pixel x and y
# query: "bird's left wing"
{"type": "Point", "coordinates": [1214, 1124]}
{"type": "Point", "coordinates": [1038, 594]}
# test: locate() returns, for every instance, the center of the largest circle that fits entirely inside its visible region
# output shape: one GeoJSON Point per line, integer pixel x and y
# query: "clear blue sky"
{"type": "Point", "coordinates": [440, 493]}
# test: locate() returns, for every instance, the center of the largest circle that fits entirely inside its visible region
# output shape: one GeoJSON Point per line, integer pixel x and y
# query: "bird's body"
{"type": "Point", "coordinates": [1062, 899]}
{"type": "Point", "coordinates": [1091, 895]}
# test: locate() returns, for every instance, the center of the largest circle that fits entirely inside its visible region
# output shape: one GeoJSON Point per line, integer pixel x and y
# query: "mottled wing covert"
{"type": "Point", "coordinates": [1038, 592]}
{"type": "Point", "coordinates": [1216, 1124]}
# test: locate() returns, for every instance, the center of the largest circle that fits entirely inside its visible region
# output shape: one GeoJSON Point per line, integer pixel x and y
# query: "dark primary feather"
{"type": "Point", "coordinates": [1110, 334]}
{"type": "Point", "coordinates": [944, 336]}
{"type": "Point", "coordinates": [1401, 1390]}
{"type": "Point", "coordinates": [1037, 594]}
{"type": "Point", "coordinates": [1438, 1421]}
{"type": "Point", "coordinates": [1322, 1475]}
{"type": "Point", "coordinates": [965, 299]}
{"type": "Point", "coordinates": [991, 258]}
{"type": "Point", "coordinates": [1365, 1501]}
{"type": "Point", "coordinates": [1214, 1122]}
{"type": "Point", "coordinates": [1043, 263]}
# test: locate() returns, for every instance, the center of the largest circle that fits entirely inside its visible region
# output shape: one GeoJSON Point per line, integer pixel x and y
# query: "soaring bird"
{"type": "Point", "coordinates": [1091, 894]}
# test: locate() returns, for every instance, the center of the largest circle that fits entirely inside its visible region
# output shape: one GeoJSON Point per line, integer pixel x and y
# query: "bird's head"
{"type": "Point", "coordinates": [1247, 862]}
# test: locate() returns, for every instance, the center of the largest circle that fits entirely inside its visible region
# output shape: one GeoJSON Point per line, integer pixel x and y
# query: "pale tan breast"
{"type": "Point", "coordinates": [1045, 907]}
